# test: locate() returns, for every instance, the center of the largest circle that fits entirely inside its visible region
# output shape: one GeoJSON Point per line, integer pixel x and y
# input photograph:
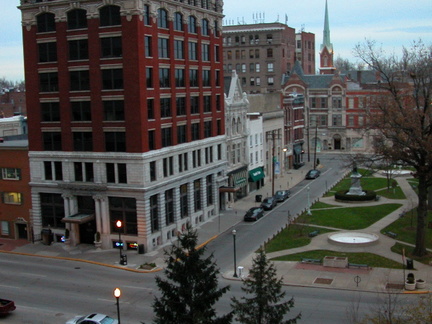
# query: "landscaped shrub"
{"type": "Point", "coordinates": [342, 195]}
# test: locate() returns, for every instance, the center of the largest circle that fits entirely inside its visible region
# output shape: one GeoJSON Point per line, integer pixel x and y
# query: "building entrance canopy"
{"type": "Point", "coordinates": [78, 218]}
{"type": "Point", "coordinates": [256, 174]}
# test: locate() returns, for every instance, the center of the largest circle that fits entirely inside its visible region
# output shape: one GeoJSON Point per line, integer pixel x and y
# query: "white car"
{"type": "Point", "coordinates": [93, 319]}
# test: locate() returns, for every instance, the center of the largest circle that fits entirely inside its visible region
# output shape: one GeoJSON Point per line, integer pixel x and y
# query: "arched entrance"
{"type": "Point", "coordinates": [337, 142]}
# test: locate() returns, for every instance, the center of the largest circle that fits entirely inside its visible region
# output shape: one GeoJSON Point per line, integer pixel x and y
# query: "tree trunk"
{"type": "Point", "coordinates": [422, 209]}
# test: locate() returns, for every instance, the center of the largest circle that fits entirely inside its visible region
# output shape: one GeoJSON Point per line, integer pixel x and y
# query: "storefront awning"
{"type": "Point", "coordinates": [228, 189]}
{"type": "Point", "coordinates": [78, 218]}
{"type": "Point", "coordinates": [256, 174]}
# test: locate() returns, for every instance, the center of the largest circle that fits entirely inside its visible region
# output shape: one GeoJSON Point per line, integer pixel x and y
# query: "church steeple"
{"type": "Point", "coordinates": [326, 52]}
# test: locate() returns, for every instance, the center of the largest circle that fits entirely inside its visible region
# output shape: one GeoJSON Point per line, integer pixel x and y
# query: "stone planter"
{"type": "Point", "coordinates": [420, 284]}
{"type": "Point", "coordinates": [98, 244]}
{"type": "Point", "coordinates": [410, 285]}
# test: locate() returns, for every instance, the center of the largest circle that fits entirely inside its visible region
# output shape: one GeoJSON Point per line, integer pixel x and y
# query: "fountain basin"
{"type": "Point", "coordinates": [353, 238]}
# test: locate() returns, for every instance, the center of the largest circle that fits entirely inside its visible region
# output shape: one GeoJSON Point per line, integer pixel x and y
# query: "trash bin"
{"type": "Point", "coordinates": [240, 271]}
{"type": "Point", "coordinates": [140, 248]}
{"type": "Point", "coordinates": [258, 198]}
{"type": "Point", "coordinates": [410, 264]}
{"type": "Point", "coordinates": [123, 259]}
{"type": "Point", "coordinates": [47, 236]}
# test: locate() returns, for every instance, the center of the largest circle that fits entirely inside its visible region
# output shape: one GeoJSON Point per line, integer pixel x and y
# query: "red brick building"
{"type": "Point", "coordinates": [126, 116]}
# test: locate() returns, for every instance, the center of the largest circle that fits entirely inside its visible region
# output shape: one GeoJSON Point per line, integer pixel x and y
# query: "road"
{"type": "Point", "coordinates": [51, 291]}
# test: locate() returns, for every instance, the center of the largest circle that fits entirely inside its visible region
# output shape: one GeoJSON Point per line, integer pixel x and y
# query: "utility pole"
{"type": "Point", "coordinates": [315, 149]}
{"type": "Point", "coordinates": [273, 162]}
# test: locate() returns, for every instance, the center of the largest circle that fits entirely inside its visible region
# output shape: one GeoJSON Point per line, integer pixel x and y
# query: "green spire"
{"type": "Point", "coordinates": [326, 33]}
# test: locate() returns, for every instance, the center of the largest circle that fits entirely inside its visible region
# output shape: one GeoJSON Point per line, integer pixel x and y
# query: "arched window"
{"type": "Point", "coordinates": [192, 25]}
{"type": "Point", "coordinates": [46, 22]}
{"type": "Point", "coordinates": [178, 21]}
{"type": "Point", "coordinates": [162, 18]}
{"type": "Point", "coordinates": [77, 19]}
{"type": "Point", "coordinates": [147, 20]}
{"type": "Point", "coordinates": [110, 16]}
{"type": "Point", "coordinates": [205, 27]}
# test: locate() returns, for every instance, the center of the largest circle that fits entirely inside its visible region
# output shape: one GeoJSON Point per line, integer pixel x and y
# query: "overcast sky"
{"type": "Point", "coordinates": [391, 23]}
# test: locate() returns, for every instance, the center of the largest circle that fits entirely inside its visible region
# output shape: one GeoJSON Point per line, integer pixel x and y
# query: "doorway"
{"type": "Point", "coordinates": [22, 231]}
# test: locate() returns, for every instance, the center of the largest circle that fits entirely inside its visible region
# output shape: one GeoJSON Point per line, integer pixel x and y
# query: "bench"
{"type": "Point", "coordinates": [356, 265]}
{"type": "Point", "coordinates": [314, 233]}
{"type": "Point", "coordinates": [306, 260]}
{"type": "Point", "coordinates": [391, 234]}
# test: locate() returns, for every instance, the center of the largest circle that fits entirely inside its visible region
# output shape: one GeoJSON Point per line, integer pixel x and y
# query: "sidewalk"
{"type": "Point", "coordinates": [293, 273]}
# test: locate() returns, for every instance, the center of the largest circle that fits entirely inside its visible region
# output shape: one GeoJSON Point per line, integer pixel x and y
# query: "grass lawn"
{"type": "Point", "coordinates": [372, 260]}
{"type": "Point", "coordinates": [397, 248]}
{"type": "Point", "coordinates": [320, 205]}
{"type": "Point", "coordinates": [291, 237]}
{"type": "Point", "coordinates": [349, 218]}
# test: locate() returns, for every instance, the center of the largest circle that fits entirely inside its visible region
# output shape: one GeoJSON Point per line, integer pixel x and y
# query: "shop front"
{"type": "Point", "coordinates": [256, 179]}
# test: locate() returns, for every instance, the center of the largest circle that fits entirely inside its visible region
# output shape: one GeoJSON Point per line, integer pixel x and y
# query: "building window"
{"type": "Point", "coordinates": [79, 80]}
{"type": "Point", "coordinates": [110, 16]}
{"type": "Point", "coordinates": [169, 207]}
{"type": "Point", "coordinates": [78, 49]}
{"type": "Point", "coordinates": [269, 52]}
{"type": "Point", "coordinates": [270, 67]}
{"type": "Point", "coordinates": [52, 210]}
{"type": "Point", "coordinates": [4, 228]}
{"type": "Point", "coordinates": [166, 136]}
{"type": "Point", "coordinates": [46, 22]}
{"type": "Point", "coordinates": [323, 102]}
{"type": "Point", "coordinates": [193, 51]}
{"type": "Point", "coordinates": [252, 67]}
{"type": "Point", "coordinates": [150, 108]}
{"type": "Point", "coordinates": [148, 46]}
{"type": "Point", "coordinates": [52, 141]}
{"type": "Point", "coordinates": [149, 77]}
{"type": "Point", "coordinates": [50, 111]}
{"type": "Point", "coordinates": [77, 19]}
{"type": "Point", "coordinates": [208, 129]}
{"type": "Point", "coordinates": [53, 170]}
{"type": "Point", "coordinates": [82, 141]}
{"type": "Point", "coordinates": [152, 139]}
{"type": "Point", "coordinates": [123, 209]}
{"type": "Point", "coordinates": [193, 78]}
{"type": "Point", "coordinates": [181, 134]}
{"type": "Point", "coordinates": [337, 120]}
{"type": "Point", "coordinates": [83, 171]}
{"type": "Point", "coordinates": [11, 174]}
{"type": "Point", "coordinates": [180, 78]}
{"type": "Point", "coordinates": [194, 104]}
{"type": "Point", "coordinates": [207, 103]}
{"type": "Point", "coordinates": [112, 79]}
{"type": "Point", "coordinates": [165, 107]}
{"type": "Point", "coordinates": [197, 195]}
{"type": "Point", "coordinates": [164, 77]}
{"type": "Point", "coordinates": [209, 155]}
{"type": "Point", "coordinates": [115, 142]}
{"type": "Point", "coordinates": [178, 49]}
{"type": "Point", "coordinates": [192, 25]}
{"type": "Point", "coordinates": [216, 53]}
{"type": "Point", "coordinates": [81, 110]}
{"type": "Point", "coordinates": [113, 110]}
{"type": "Point", "coordinates": [206, 78]}
{"type": "Point", "coordinates": [163, 49]}
{"type": "Point", "coordinates": [152, 166]}
{"type": "Point", "coordinates": [184, 206]}
{"type": "Point", "coordinates": [258, 81]}
{"type": "Point", "coordinates": [351, 120]}
{"type": "Point", "coordinates": [147, 20]}
{"type": "Point", "coordinates": [154, 214]}
{"type": "Point", "coordinates": [209, 183]}
{"type": "Point", "coordinates": [205, 27]}
{"type": "Point", "coordinates": [183, 162]}
{"type": "Point", "coordinates": [205, 52]}
{"type": "Point", "coordinates": [116, 172]}
{"type": "Point", "coordinates": [178, 21]}
{"type": "Point", "coordinates": [270, 81]}
{"type": "Point", "coordinates": [337, 103]}
{"type": "Point", "coordinates": [47, 52]}
{"type": "Point", "coordinates": [195, 130]}
{"type": "Point", "coordinates": [111, 47]}
{"type": "Point", "coordinates": [252, 81]}
{"type": "Point", "coordinates": [162, 19]}
{"type": "Point", "coordinates": [48, 82]}
{"type": "Point", "coordinates": [181, 106]}
{"type": "Point", "coordinates": [218, 127]}
{"type": "Point", "coordinates": [218, 102]}
{"type": "Point", "coordinates": [168, 166]}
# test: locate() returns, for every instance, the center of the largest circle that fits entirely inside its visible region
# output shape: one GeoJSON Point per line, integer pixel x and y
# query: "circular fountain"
{"type": "Point", "coordinates": [353, 238]}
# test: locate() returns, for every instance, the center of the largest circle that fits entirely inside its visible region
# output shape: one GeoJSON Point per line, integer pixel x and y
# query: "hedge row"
{"type": "Point", "coordinates": [342, 195]}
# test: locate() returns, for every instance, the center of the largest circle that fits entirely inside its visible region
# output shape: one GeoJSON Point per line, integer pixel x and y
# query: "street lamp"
{"type": "Point", "coordinates": [308, 201]}
{"type": "Point", "coordinates": [119, 225]}
{"type": "Point", "coordinates": [117, 293]}
{"type": "Point", "coordinates": [234, 232]}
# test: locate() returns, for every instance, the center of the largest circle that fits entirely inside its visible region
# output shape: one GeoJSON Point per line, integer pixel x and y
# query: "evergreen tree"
{"type": "Point", "coordinates": [191, 288]}
{"type": "Point", "coordinates": [264, 306]}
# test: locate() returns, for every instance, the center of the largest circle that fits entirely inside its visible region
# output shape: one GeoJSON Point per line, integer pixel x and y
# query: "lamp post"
{"type": "Point", "coordinates": [119, 225]}
{"type": "Point", "coordinates": [234, 232]}
{"type": "Point", "coordinates": [308, 201]}
{"type": "Point", "coordinates": [117, 293]}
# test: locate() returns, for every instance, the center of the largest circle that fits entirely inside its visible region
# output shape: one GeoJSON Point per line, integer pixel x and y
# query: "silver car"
{"type": "Point", "coordinates": [95, 318]}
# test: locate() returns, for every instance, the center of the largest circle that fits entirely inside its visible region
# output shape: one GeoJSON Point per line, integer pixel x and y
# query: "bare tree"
{"type": "Point", "coordinates": [402, 116]}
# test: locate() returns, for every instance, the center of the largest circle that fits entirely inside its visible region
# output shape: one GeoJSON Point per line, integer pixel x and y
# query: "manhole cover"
{"type": "Point", "coordinates": [323, 281]}
{"type": "Point", "coordinates": [395, 286]}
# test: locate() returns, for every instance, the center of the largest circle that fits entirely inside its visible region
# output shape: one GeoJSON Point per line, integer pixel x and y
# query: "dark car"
{"type": "Point", "coordinates": [268, 203]}
{"type": "Point", "coordinates": [254, 214]}
{"type": "Point", "coordinates": [282, 195]}
{"type": "Point", "coordinates": [313, 174]}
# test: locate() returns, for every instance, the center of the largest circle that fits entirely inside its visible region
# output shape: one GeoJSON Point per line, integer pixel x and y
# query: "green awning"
{"type": "Point", "coordinates": [256, 174]}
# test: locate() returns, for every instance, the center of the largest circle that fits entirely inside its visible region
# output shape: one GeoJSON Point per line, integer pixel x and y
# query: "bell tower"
{"type": "Point", "coordinates": [326, 51]}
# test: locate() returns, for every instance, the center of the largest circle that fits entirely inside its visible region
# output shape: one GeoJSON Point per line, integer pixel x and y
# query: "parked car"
{"type": "Point", "coordinates": [253, 214]}
{"type": "Point", "coordinates": [313, 174]}
{"type": "Point", "coordinates": [6, 306]}
{"type": "Point", "coordinates": [95, 318]}
{"type": "Point", "coordinates": [268, 203]}
{"type": "Point", "coordinates": [282, 195]}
